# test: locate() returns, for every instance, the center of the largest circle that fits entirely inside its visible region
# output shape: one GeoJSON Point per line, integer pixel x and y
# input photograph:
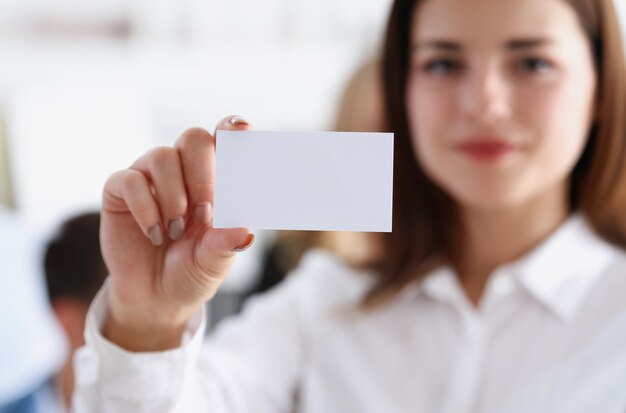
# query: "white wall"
{"type": "Point", "coordinates": [281, 63]}
{"type": "Point", "coordinates": [86, 86]}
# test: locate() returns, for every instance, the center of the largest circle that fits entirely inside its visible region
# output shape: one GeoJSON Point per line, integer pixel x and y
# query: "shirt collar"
{"type": "Point", "coordinates": [558, 273]}
{"type": "Point", "coordinates": [561, 271]}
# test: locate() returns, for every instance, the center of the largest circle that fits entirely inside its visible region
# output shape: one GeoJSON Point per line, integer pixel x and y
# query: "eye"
{"type": "Point", "coordinates": [442, 66]}
{"type": "Point", "coordinates": [534, 65]}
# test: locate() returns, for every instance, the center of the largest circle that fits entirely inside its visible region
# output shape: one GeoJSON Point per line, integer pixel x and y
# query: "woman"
{"type": "Point", "coordinates": [501, 288]}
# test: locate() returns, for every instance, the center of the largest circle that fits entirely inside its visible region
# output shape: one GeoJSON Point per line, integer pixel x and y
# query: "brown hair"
{"type": "Point", "coordinates": [425, 218]}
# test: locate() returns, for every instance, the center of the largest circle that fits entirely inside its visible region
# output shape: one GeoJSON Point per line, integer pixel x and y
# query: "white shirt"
{"type": "Point", "coordinates": [549, 336]}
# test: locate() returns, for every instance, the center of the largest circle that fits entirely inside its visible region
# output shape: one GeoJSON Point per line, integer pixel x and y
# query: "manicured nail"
{"type": "Point", "coordinates": [245, 246]}
{"type": "Point", "coordinates": [238, 121]}
{"type": "Point", "coordinates": [175, 228]}
{"type": "Point", "coordinates": [156, 235]}
{"type": "Point", "coordinates": [202, 213]}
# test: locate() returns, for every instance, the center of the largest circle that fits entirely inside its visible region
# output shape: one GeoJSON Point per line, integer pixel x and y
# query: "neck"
{"type": "Point", "coordinates": [492, 238]}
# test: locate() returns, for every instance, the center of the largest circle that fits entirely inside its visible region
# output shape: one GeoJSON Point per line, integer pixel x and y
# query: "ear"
{"type": "Point", "coordinates": [71, 314]}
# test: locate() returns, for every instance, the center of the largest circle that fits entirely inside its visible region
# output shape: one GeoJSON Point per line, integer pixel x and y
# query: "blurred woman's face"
{"type": "Point", "coordinates": [501, 96]}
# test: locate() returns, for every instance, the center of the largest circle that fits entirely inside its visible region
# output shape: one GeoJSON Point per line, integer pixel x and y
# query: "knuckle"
{"type": "Point", "coordinates": [146, 213]}
{"type": "Point", "coordinates": [193, 137]}
{"type": "Point", "coordinates": [202, 190]}
{"type": "Point", "coordinates": [211, 273]}
{"type": "Point", "coordinates": [162, 155]}
{"type": "Point", "coordinates": [177, 206]}
{"type": "Point", "coordinates": [131, 180]}
{"type": "Point", "coordinates": [115, 177]}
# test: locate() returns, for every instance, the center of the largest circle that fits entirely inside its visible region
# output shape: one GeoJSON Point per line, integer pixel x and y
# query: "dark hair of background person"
{"type": "Point", "coordinates": [73, 262]}
{"type": "Point", "coordinates": [425, 219]}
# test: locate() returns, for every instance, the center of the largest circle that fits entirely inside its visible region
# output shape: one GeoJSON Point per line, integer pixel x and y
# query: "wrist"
{"type": "Point", "coordinates": [144, 337]}
{"type": "Point", "coordinates": [144, 327]}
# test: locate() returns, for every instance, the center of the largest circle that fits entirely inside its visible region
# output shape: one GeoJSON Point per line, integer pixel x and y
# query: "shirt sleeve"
{"type": "Point", "coordinates": [251, 363]}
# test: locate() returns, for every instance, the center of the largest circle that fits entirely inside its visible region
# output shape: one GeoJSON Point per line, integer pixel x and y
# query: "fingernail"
{"type": "Point", "coordinates": [202, 213]}
{"type": "Point", "coordinates": [245, 246]}
{"type": "Point", "coordinates": [156, 235]}
{"type": "Point", "coordinates": [176, 227]}
{"type": "Point", "coordinates": [238, 121]}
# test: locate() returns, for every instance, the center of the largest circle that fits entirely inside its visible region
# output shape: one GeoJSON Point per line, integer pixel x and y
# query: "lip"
{"type": "Point", "coordinates": [486, 149]}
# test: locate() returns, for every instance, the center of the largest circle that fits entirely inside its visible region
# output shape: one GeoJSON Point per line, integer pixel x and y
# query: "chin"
{"type": "Point", "coordinates": [489, 202]}
{"type": "Point", "coordinates": [488, 197]}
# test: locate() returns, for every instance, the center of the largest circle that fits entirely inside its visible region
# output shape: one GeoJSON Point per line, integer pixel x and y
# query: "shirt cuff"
{"type": "Point", "coordinates": [118, 373]}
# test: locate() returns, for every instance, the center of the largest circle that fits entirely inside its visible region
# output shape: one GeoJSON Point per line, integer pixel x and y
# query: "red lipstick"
{"type": "Point", "coordinates": [486, 149]}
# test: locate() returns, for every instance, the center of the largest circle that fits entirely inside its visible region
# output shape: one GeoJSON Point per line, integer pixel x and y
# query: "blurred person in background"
{"type": "Point", "coordinates": [500, 289]}
{"type": "Point", "coordinates": [74, 271]}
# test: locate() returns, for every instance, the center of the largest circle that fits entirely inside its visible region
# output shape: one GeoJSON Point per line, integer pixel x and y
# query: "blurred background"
{"type": "Point", "coordinates": [86, 86]}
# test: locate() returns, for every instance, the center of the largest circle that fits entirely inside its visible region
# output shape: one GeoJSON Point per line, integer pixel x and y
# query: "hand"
{"type": "Point", "coordinates": [164, 257]}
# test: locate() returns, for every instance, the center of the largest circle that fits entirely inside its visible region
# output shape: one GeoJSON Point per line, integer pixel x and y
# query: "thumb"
{"type": "Point", "coordinates": [216, 251]}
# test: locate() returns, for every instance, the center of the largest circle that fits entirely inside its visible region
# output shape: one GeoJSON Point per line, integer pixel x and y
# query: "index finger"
{"type": "Point", "coordinates": [234, 122]}
{"type": "Point", "coordinates": [196, 148]}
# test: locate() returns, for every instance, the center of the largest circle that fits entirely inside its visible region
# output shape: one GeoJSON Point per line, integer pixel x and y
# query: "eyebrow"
{"type": "Point", "coordinates": [451, 46]}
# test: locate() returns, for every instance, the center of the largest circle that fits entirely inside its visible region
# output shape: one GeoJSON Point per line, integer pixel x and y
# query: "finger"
{"type": "Point", "coordinates": [234, 122]}
{"type": "Point", "coordinates": [163, 167]}
{"type": "Point", "coordinates": [215, 253]}
{"type": "Point", "coordinates": [131, 188]}
{"type": "Point", "coordinates": [196, 148]}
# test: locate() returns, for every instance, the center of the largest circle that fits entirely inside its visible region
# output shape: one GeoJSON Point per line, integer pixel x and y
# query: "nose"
{"type": "Point", "coordinates": [485, 95]}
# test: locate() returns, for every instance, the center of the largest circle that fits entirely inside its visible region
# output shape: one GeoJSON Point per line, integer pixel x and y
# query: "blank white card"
{"type": "Point", "coordinates": [329, 181]}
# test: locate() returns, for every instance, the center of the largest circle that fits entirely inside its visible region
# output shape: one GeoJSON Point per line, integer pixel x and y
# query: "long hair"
{"type": "Point", "coordinates": [425, 218]}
